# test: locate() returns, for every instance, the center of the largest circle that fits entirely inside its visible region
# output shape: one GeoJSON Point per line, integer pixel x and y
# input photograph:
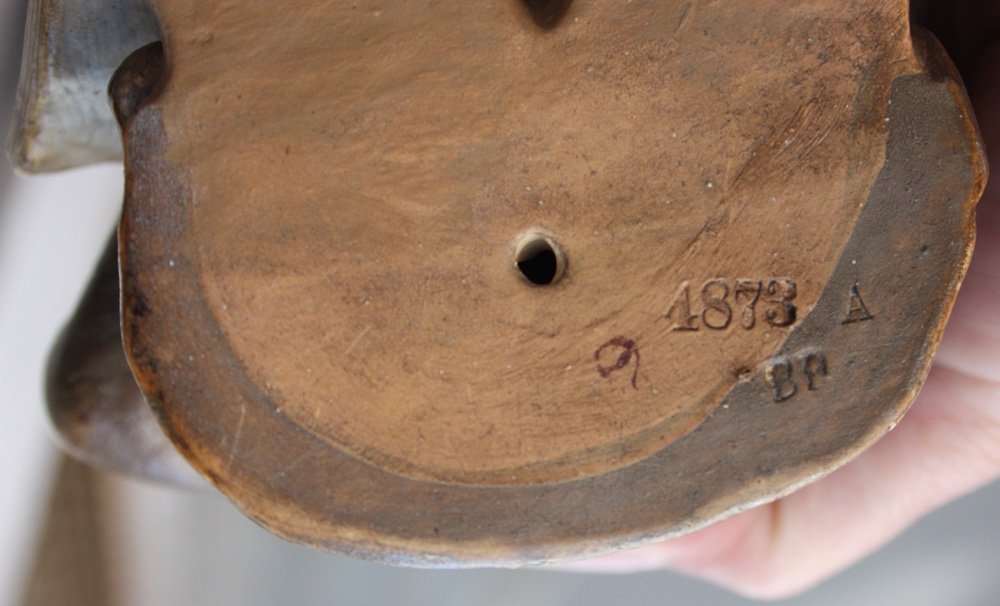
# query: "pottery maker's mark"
{"type": "Point", "coordinates": [781, 373]}
{"type": "Point", "coordinates": [857, 311]}
{"type": "Point", "coordinates": [626, 349]}
{"type": "Point", "coordinates": [774, 296]}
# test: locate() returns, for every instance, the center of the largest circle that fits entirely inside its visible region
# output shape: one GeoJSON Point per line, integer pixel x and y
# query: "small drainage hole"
{"type": "Point", "coordinates": [539, 260]}
{"type": "Point", "coordinates": [547, 14]}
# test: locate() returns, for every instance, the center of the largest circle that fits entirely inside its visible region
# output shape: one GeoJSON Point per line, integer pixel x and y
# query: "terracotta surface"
{"type": "Point", "coordinates": [762, 217]}
{"type": "Point", "coordinates": [93, 401]}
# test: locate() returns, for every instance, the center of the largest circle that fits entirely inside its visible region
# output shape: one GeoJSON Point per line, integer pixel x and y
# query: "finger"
{"type": "Point", "coordinates": [947, 446]}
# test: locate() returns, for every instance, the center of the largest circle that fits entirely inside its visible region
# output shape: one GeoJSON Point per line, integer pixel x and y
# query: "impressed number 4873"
{"type": "Point", "coordinates": [722, 304]}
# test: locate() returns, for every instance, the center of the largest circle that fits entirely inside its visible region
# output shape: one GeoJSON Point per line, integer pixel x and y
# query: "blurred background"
{"type": "Point", "coordinates": [73, 536]}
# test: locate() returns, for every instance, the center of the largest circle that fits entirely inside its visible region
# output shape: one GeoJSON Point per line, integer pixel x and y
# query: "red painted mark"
{"type": "Point", "coordinates": [628, 350]}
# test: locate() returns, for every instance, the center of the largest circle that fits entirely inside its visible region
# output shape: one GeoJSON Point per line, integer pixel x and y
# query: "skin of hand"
{"type": "Point", "coordinates": [946, 446]}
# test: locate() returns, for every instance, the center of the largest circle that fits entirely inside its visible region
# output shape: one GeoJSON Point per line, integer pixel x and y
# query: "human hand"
{"type": "Point", "coordinates": [946, 446]}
